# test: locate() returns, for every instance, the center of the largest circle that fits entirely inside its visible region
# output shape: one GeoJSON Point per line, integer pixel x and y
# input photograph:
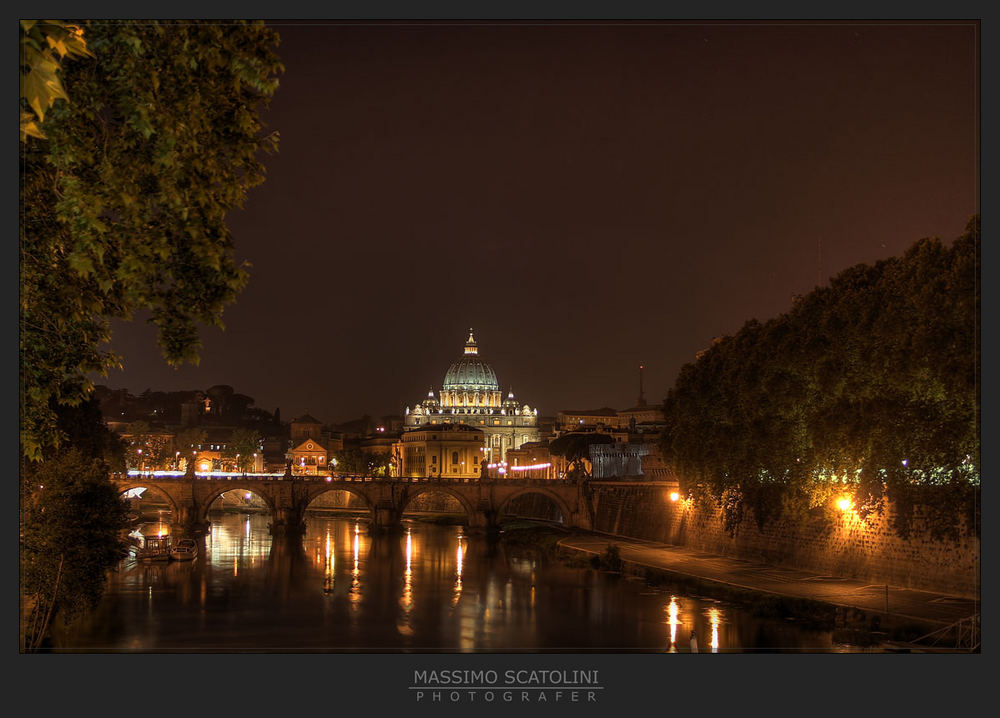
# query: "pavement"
{"type": "Point", "coordinates": [903, 603]}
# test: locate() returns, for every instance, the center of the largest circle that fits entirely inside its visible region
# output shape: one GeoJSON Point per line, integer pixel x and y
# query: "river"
{"type": "Point", "coordinates": [431, 588]}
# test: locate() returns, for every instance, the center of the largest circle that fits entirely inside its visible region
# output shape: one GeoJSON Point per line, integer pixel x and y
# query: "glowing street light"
{"type": "Point", "coordinates": [674, 496]}
{"type": "Point", "coordinates": [845, 503]}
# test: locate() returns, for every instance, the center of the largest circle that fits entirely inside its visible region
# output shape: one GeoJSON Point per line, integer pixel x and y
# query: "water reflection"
{"type": "Point", "coordinates": [714, 618]}
{"type": "Point", "coordinates": [404, 626]}
{"type": "Point", "coordinates": [430, 588]}
{"type": "Point", "coordinates": [459, 555]}
{"type": "Point", "coordinates": [356, 572]}
{"type": "Point", "coordinates": [673, 621]}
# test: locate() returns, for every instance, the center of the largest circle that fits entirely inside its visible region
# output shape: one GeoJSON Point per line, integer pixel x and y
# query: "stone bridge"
{"type": "Point", "coordinates": [484, 500]}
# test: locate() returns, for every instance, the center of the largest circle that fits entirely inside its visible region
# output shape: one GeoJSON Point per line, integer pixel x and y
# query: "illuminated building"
{"type": "Point", "coordinates": [450, 450]}
{"type": "Point", "coordinates": [587, 419]}
{"type": "Point", "coordinates": [310, 446]}
{"type": "Point", "coordinates": [471, 396]}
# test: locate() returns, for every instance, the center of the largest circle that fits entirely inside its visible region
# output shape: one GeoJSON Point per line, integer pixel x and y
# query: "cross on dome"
{"type": "Point", "coordinates": [470, 344]}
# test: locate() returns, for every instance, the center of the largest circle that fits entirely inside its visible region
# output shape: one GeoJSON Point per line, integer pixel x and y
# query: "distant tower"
{"type": "Point", "coordinates": [642, 398]}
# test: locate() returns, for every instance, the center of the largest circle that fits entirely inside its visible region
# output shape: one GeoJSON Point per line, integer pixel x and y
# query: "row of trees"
{"type": "Point", "coordinates": [868, 385]}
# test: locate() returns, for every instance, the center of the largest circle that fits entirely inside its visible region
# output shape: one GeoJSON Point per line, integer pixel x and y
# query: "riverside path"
{"type": "Point", "coordinates": [906, 604]}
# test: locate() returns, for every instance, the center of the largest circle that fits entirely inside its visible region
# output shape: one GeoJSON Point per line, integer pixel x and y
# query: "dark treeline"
{"type": "Point", "coordinates": [868, 386]}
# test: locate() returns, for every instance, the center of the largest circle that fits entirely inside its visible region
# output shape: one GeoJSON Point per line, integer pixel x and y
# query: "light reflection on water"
{"type": "Point", "coordinates": [430, 588]}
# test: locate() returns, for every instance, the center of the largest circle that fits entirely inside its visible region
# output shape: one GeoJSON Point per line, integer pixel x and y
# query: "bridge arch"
{"type": "Point", "coordinates": [467, 506]}
{"type": "Point", "coordinates": [206, 504]}
{"type": "Point", "coordinates": [126, 486]}
{"type": "Point", "coordinates": [353, 491]}
{"type": "Point", "coordinates": [556, 500]}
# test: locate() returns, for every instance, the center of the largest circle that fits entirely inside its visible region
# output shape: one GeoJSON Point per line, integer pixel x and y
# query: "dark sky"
{"type": "Point", "coordinates": [587, 197]}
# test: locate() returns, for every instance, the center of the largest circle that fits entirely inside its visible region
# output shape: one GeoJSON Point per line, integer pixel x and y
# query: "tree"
{"type": "Point", "coordinates": [576, 448]}
{"type": "Point", "coordinates": [190, 439]}
{"type": "Point", "coordinates": [867, 386]}
{"type": "Point", "coordinates": [124, 200]}
{"type": "Point", "coordinates": [71, 524]}
{"type": "Point", "coordinates": [243, 445]}
{"type": "Point", "coordinates": [358, 461]}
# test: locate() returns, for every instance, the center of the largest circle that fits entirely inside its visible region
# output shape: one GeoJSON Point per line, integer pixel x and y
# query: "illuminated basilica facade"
{"type": "Point", "coordinates": [471, 395]}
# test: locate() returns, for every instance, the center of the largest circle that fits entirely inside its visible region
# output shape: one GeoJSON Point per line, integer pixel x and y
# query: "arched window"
{"type": "Point", "coordinates": [454, 457]}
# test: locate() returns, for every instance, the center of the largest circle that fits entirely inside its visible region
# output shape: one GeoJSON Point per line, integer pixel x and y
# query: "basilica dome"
{"type": "Point", "coordinates": [470, 373]}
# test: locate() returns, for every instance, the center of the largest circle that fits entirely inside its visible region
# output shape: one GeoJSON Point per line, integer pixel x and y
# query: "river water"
{"type": "Point", "coordinates": [432, 588]}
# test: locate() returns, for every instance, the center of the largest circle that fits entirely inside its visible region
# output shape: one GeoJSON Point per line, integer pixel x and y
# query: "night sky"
{"type": "Point", "coordinates": [586, 196]}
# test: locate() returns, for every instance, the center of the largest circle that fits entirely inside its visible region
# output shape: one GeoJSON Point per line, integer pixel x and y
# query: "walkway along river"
{"type": "Point", "coordinates": [430, 588]}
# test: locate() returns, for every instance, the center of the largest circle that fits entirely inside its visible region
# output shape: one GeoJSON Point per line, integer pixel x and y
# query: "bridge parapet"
{"type": "Point", "coordinates": [180, 476]}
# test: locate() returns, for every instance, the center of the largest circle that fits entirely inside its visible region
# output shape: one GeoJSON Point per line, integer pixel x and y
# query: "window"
{"type": "Point", "coordinates": [454, 457]}
{"type": "Point", "coordinates": [434, 459]}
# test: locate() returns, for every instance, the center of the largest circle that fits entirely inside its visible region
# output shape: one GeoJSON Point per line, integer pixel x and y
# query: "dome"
{"type": "Point", "coordinates": [471, 372]}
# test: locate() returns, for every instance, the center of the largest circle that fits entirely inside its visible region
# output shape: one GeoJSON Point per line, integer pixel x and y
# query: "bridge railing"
{"type": "Point", "coordinates": [335, 478]}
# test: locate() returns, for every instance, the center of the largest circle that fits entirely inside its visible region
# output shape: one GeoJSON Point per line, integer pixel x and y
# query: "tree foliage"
{"type": "Point", "coordinates": [243, 444]}
{"type": "Point", "coordinates": [44, 46]}
{"type": "Point", "coordinates": [124, 200]}
{"type": "Point", "coordinates": [869, 384]}
{"type": "Point", "coordinates": [358, 461]}
{"type": "Point", "coordinates": [575, 447]}
{"type": "Point", "coordinates": [72, 520]}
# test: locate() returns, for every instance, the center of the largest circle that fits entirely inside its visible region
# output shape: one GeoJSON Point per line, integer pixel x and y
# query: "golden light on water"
{"type": "Point", "coordinates": [673, 621]}
{"type": "Point", "coordinates": [356, 573]}
{"type": "Point", "coordinates": [459, 556]}
{"type": "Point", "coordinates": [407, 599]}
{"type": "Point", "coordinates": [329, 566]}
{"type": "Point", "coordinates": [714, 617]}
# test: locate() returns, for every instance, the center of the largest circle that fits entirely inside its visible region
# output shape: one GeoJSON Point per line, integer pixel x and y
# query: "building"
{"type": "Point", "coordinates": [451, 450]}
{"type": "Point", "coordinates": [470, 395]}
{"type": "Point", "coordinates": [618, 460]}
{"type": "Point", "coordinates": [586, 419]}
{"type": "Point", "coordinates": [310, 447]}
{"type": "Point", "coordinates": [532, 461]}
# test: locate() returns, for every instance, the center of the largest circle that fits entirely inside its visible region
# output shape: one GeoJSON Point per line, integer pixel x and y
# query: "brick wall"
{"type": "Point", "coordinates": [853, 548]}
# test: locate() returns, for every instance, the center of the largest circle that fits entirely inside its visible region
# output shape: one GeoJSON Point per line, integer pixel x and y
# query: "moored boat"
{"type": "Point", "coordinates": [184, 550]}
{"type": "Point", "coordinates": [154, 548]}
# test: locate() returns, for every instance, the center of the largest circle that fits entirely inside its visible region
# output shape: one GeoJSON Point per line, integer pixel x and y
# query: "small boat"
{"type": "Point", "coordinates": [154, 548]}
{"type": "Point", "coordinates": [184, 550]}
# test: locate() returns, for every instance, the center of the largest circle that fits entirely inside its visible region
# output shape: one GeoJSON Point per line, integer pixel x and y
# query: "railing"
{"type": "Point", "coordinates": [963, 635]}
{"type": "Point", "coordinates": [338, 478]}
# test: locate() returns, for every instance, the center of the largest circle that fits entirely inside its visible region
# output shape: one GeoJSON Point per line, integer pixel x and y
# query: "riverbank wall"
{"type": "Point", "coordinates": [847, 547]}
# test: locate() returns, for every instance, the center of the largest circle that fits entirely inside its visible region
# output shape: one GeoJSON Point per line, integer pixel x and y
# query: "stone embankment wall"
{"type": "Point", "coordinates": [849, 547]}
